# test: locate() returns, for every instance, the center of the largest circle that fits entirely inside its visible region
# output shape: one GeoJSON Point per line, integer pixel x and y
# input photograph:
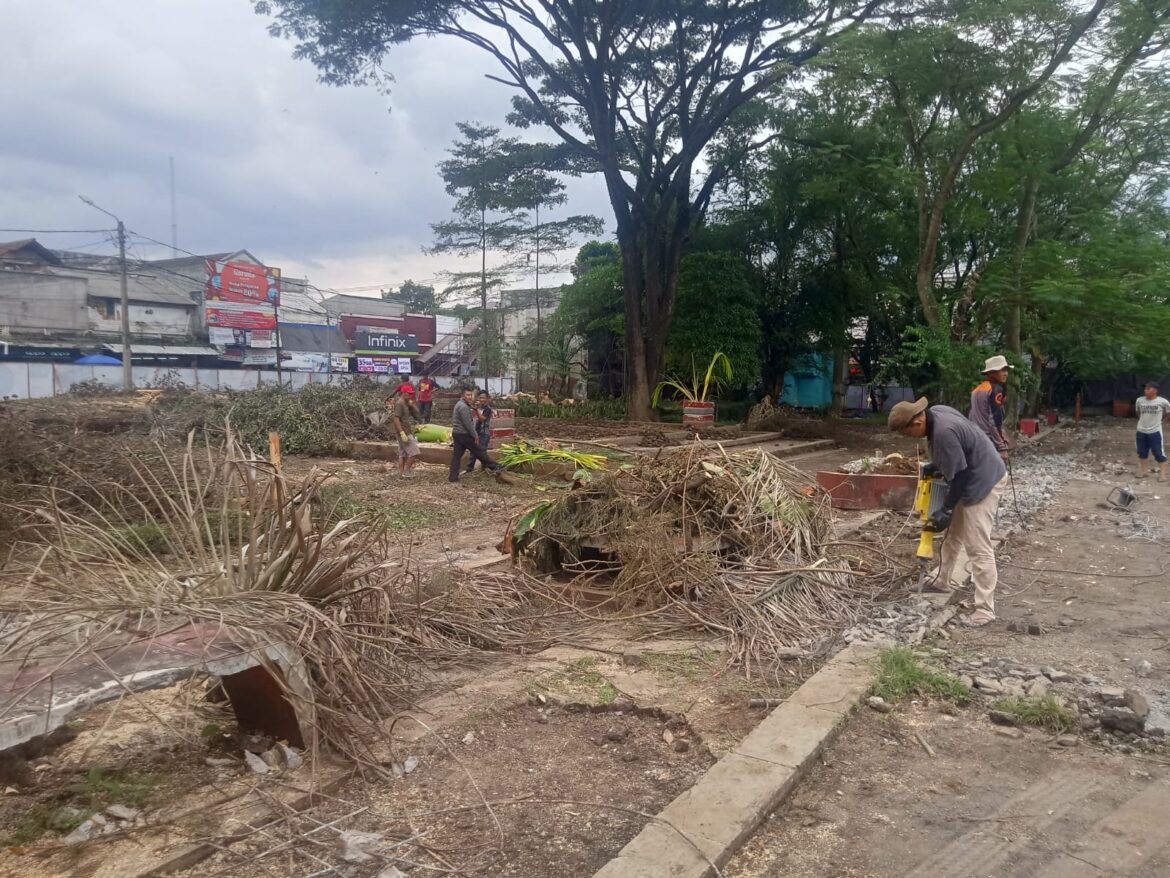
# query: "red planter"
{"type": "Point", "coordinates": [698, 413]}
{"type": "Point", "coordinates": [1028, 426]}
{"type": "Point", "coordinates": [1121, 408]}
{"type": "Point", "coordinates": [867, 491]}
{"type": "Point", "coordinates": [1052, 419]}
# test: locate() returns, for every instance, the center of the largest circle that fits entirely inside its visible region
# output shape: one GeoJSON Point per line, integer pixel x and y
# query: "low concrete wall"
{"type": "Point", "coordinates": [39, 380]}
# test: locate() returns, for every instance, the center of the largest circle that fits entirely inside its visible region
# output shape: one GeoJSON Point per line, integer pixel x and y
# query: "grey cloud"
{"type": "Point", "coordinates": [339, 180]}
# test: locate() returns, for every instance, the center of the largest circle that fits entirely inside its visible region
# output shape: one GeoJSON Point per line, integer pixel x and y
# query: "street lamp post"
{"type": "Point", "coordinates": [127, 372]}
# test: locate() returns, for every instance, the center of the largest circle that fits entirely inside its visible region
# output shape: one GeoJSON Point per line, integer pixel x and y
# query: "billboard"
{"type": "Point", "coordinates": [231, 316]}
{"type": "Point", "coordinates": [249, 356]}
{"type": "Point", "coordinates": [242, 283]}
{"type": "Point", "coordinates": [387, 343]}
{"type": "Point", "coordinates": [384, 365]}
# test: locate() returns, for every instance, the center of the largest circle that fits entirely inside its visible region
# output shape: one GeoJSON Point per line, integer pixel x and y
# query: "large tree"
{"type": "Point", "coordinates": [640, 90]}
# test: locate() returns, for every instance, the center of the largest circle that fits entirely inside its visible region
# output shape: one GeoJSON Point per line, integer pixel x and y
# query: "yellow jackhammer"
{"type": "Point", "coordinates": [928, 501]}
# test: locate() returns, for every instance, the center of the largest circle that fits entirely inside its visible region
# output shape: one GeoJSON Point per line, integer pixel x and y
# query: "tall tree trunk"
{"type": "Point", "coordinates": [483, 313]}
{"type": "Point", "coordinates": [1014, 317]}
{"type": "Point", "coordinates": [840, 371]}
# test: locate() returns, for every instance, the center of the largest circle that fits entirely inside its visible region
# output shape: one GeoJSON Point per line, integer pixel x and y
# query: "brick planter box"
{"type": "Point", "coordinates": [866, 491]}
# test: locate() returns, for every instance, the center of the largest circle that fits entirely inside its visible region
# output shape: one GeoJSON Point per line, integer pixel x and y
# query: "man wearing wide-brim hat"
{"type": "Point", "coordinates": [987, 403]}
{"type": "Point", "coordinates": [976, 475]}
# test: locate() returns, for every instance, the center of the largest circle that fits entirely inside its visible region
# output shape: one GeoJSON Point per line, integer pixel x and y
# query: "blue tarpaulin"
{"type": "Point", "coordinates": [98, 360]}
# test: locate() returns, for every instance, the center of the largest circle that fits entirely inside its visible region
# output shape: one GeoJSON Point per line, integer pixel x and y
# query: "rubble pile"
{"type": "Point", "coordinates": [1120, 718]}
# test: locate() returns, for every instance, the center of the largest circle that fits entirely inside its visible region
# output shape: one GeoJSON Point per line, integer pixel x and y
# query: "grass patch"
{"type": "Point", "coordinates": [409, 519]}
{"type": "Point", "coordinates": [579, 679]}
{"type": "Point", "coordinates": [902, 675]}
{"type": "Point", "coordinates": [1047, 712]}
{"type": "Point", "coordinates": [140, 538]}
{"type": "Point", "coordinates": [102, 788]}
{"type": "Point", "coordinates": [680, 666]}
{"type": "Point", "coordinates": [235, 520]}
{"type": "Point", "coordinates": [99, 790]}
{"type": "Point", "coordinates": [341, 504]}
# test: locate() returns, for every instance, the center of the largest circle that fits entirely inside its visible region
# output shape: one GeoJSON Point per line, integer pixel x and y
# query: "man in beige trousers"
{"type": "Point", "coordinates": [976, 474]}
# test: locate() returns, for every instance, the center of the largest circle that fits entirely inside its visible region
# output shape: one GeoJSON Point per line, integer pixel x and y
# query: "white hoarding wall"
{"type": "Point", "coordinates": [39, 380]}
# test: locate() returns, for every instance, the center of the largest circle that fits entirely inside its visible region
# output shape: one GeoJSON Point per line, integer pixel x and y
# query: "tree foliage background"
{"type": "Point", "coordinates": [913, 184]}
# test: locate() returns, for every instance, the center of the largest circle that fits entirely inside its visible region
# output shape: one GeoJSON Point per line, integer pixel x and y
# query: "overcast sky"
{"type": "Point", "coordinates": [336, 183]}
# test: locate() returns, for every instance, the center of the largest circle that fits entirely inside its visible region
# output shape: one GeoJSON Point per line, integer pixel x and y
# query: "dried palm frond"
{"type": "Point", "coordinates": [734, 543]}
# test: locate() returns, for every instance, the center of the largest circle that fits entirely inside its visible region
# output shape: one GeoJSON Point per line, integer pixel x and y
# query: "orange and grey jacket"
{"type": "Point", "coordinates": [987, 413]}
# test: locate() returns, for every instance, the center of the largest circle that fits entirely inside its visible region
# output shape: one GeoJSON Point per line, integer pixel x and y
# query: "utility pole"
{"type": "Point", "coordinates": [127, 372]}
{"type": "Point", "coordinates": [174, 219]}
{"type": "Point", "coordinates": [539, 322]}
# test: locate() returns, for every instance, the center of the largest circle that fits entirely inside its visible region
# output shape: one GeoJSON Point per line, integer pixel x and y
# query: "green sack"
{"type": "Point", "coordinates": [432, 433]}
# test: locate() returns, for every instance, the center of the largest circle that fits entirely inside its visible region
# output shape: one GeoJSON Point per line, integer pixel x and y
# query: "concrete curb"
{"type": "Point", "coordinates": [708, 823]}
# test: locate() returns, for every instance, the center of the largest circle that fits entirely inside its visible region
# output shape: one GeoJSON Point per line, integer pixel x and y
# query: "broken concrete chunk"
{"type": "Point", "coordinates": [1000, 718]}
{"type": "Point", "coordinates": [290, 757]}
{"type": "Point", "coordinates": [220, 763]}
{"type": "Point", "coordinates": [986, 684]}
{"type": "Point", "coordinates": [1143, 668]}
{"type": "Point", "coordinates": [354, 847]}
{"type": "Point", "coordinates": [1038, 688]}
{"type": "Point", "coordinates": [1057, 676]}
{"type": "Point", "coordinates": [1137, 702]}
{"type": "Point", "coordinates": [1122, 719]}
{"type": "Point", "coordinates": [121, 812]}
{"type": "Point", "coordinates": [1008, 732]}
{"type": "Point", "coordinates": [1068, 740]}
{"type": "Point", "coordinates": [391, 872]}
{"type": "Point", "coordinates": [876, 702]}
{"type": "Point", "coordinates": [254, 762]}
{"type": "Point", "coordinates": [410, 764]}
{"type": "Point", "coordinates": [1111, 695]}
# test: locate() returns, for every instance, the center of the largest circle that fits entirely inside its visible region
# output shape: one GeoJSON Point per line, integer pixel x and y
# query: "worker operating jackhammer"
{"type": "Point", "coordinates": [970, 463]}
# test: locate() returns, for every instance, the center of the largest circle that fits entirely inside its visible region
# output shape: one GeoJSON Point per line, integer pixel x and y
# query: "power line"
{"type": "Point", "coordinates": [60, 231]}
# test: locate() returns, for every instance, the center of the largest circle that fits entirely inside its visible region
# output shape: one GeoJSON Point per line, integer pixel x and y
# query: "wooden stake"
{"type": "Point", "coordinates": [274, 450]}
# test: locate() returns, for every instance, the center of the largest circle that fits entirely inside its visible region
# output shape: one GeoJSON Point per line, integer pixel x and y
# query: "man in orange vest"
{"type": "Point", "coordinates": [987, 403]}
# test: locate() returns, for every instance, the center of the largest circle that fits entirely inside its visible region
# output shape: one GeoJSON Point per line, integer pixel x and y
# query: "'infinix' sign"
{"type": "Point", "coordinates": [365, 342]}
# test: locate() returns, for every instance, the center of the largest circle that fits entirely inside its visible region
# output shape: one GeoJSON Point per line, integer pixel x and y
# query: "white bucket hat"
{"type": "Point", "coordinates": [994, 364]}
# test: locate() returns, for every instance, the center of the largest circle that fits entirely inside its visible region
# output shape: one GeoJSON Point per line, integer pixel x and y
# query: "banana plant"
{"type": "Point", "coordinates": [696, 391]}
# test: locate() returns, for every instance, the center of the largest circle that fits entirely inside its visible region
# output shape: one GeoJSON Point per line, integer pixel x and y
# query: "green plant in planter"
{"type": "Point", "coordinates": [696, 390]}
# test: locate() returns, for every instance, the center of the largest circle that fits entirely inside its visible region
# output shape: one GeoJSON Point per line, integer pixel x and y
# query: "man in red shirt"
{"type": "Point", "coordinates": [426, 389]}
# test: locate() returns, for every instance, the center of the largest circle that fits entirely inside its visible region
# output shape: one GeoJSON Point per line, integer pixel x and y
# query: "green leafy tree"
{"type": "Point", "coordinates": [415, 297]}
{"type": "Point", "coordinates": [637, 91]}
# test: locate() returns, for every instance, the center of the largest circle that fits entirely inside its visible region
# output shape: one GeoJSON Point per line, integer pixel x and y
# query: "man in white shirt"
{"type": "Point", "coordinates": [1151, 411]}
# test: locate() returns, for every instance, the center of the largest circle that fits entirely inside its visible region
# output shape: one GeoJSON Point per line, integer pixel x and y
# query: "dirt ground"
{"type": "Point", "coordinates": [1004, 802]}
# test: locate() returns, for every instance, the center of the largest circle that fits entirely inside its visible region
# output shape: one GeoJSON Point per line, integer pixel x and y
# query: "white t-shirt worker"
{"type": "Point", "coordinates": [1152, 410]}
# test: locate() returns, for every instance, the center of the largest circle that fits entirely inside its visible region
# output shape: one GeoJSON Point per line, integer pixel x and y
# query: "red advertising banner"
{"type": "Point", "coordinates": [230, 318]}
{"type": "Point", "coordinates": [242, 282]}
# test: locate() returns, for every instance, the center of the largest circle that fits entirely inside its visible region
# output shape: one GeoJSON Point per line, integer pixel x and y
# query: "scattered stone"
{"type": "Point", "coordinates": [632, 659]}
{"type": "Point", "coordinates": [1038, 688]}
{"type": "Point", "coordinates": [11, 791]}
{"type": "Point", "coordinates": [617, 733]}
{"type": "Point", "coordinates": [84, 832]}
{"type": "Point", "coordinates": [967, 680]}
{"type": "Point", "coordinates": [290, 757]}
{"type": "Point", "coordinates": [1057, 676]}
{"type": "Point", "coordinates": [876, 702]}
{"type": "Point", "coordinates": [1068, 740]}
{"type": "Point", "coordinates": [1014, 688]}
{"type": "Point", "coordinates": [629, 757]}
{"type": "Point", "coordinates": [1033, 628]}
{"type": "Point", "coordinates": [988, 685]}
{"type": "Point", "coordinates": [1000, 718]}
{"type": "Point", "coordinates": [1137, 702]}
{"type": "Point", "coordinates": [220, 763]}
{"type": "Point", "coordinates": [1113, 695]}
{"type": "Point", "coordinates": [64, 817]}
{"type": "Point", "coordinates": [1143, 668]}
{"type": "Point", "coordinates": [542, 718]}
{"type": "Point", "coordinates": [255, 763]}
{"type": "Point", "coordinates": [354, 847]}
{"type": "Point", "coordinates": [1008, 732]}
{"type": "Point", "coordinates": [1122, 719]}
{"type": "Point", "coordinates": [1091, 680]}
{"type": "Point", "coordinates": [389, 871]}
{"type": "Point", "coordinates": [272, 758]}
{"type": "Point", "coordinates": [469, 738]}
{"type": "Point", "coordinates": [121, 812]}
{"type": "Point", "coordinates": [681, 746]}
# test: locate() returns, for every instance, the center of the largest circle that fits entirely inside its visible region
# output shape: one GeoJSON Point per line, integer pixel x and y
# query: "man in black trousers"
{"type": "Point", "coordinates": [463, 437]}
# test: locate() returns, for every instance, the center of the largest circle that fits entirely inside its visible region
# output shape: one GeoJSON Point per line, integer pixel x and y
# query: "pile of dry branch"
{"type": "Point", "coordinates": [735, 543]}
{"type": "Point", "coordinates": [218, 536]}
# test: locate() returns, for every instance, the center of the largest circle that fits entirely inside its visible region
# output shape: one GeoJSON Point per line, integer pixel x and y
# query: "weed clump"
{"type": "Point", "coordinates": [902, 674]}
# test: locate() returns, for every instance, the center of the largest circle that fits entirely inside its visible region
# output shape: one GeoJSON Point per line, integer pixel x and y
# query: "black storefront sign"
{"type": "Point", "coordinates": [34, 354]}
{"type": "Point", "coordinates": [388, 343]}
